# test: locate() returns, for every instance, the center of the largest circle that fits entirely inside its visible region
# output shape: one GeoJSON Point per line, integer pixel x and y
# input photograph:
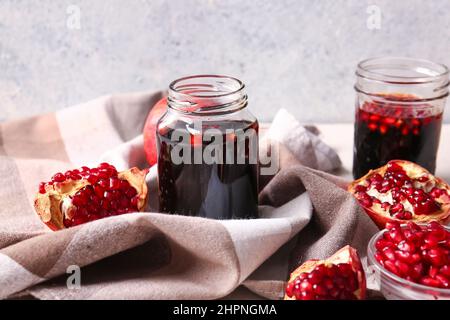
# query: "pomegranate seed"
{"type": "Point", "coordinates": [75, 176]}
{"type": "Point", "coordinates": [406, 246]}
{"type": "Point", "coordinates": [393, 167]}
{"type": "Point", "coordinates": [437, 257]}
{"type": "Point", "coordinates": [409, 191]}
{"type": "Point", "coordinates": [59, 177]}
{"type": "Point", "coordinates": [103, 174]}
{"type": "Point", "coordinates": [392, 225]}
{"type": "Point", "coordinates": [418, 270]}
{"type": "Point", "coordinates": [445, 282]}
{"type": "Point", "coordinates": [131, 192]}
{"type": "Point", "coordinates": [114, 183]}
{"type": "Point", "coordinates": [379, 257]}
{"type": "Point", "coordinates": [360, 188]}
{"type": "Point", "coordinates": [407, 215]}
{"type": "Point", "coordinates": [405, 131]}
{"type": "Point", "coordinates": [376, 178]}
{"type": "Point", "coordinates": [92, 179]}
{"type": "Point", "coordinates": [290, 289]}
{"type": "Point", "coordinates": [433, 271]}
{"type": "Point", "coordinates": [430, 282]}
{"type": "Point", "coordinates": [372, 126]}
{"type": "Point", "coordinates": [124, 185]}
{"type": "Point", "coordinates": [402, 268]}
{"type": "Point", "coordinates": [390, 266]}
{"type": "Point", "coordinates": [108, 195]}
{"type": "Point", "coordinates": [114, 205]}
{"type": "Point", "coordinates": [396, 208]}
{"type": "Point", "coordinates": [99, 191]}
{"type": "Point", "coordinates": [435, 226]}
{"type": "Point", "coordinates": [396, 235]}
{"type": "Point", "coordinates": [42, 188]}
{"type": "Point", "coordinates": [366, 202]}
{"type": "Point", "coordinates": [134, 201]}
{"type": "Point", "coordinates": [445, 270]}
{"type": "Point", "coordinates": [104, 183]}
{"type": "Point", "coordinates": [389, 253]}
{"type": "Point", "coordinates": [436, 193]}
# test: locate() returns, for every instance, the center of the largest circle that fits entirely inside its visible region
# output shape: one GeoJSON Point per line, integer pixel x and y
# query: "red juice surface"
{"type": "Point", "coordinates": [386, 131]}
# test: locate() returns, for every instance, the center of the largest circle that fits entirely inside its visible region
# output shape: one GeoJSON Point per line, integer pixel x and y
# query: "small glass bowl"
{"type": "Point", "coordinates": [395, 288]}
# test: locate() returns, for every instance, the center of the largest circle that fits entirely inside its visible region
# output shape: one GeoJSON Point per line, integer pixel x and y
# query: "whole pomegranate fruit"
{"type": "Point", "coordinates": [402, 191]}
{"type": "Point", "coordinates": [417, 253]}
{"type": "Point", "coordinates": [88, 194]}
{"type": "Point", "coordinates": [150, 130]}
{"type": "Point", "coordinates": [340, 277]}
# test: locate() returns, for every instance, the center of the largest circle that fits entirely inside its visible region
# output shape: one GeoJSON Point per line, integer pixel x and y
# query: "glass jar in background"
{"type": "Point", "coordinates": [399, 107]}
{"type": "Point", "coordinates": [208, 150]}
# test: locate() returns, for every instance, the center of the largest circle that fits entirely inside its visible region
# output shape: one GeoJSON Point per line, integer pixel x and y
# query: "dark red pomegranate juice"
{"type": "Point", "coordinates": [386, 131]}
{"type": "Point", "coordinates": [220, 190]}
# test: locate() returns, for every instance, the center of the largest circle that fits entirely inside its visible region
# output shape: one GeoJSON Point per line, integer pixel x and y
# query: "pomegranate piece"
{"type": "Point", "coordinates": [149, 131]}
{"type": "Point", "coordinates": [417, 253]}
{"type": "Point", "coordinates": [340, 277]}
{"type": "Point", "coordinates": [402, 191]}
{"type": "Point", "coordinates": [86, 194]}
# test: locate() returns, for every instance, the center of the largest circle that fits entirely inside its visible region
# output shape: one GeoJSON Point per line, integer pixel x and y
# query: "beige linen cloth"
{"type": "Point", "coordinates": [157, 256]}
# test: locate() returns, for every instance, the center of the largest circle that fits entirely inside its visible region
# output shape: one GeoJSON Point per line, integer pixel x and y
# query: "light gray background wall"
{"type": "Point", "coordinates": [300, 55]}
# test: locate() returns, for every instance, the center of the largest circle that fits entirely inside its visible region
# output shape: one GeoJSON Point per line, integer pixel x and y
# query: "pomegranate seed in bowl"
{"type": "Point", "coordinates": [412, 260]}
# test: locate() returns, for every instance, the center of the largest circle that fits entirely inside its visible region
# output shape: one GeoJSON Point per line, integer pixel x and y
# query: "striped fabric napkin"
{"type": "Point", "coordinates": [153, 255]}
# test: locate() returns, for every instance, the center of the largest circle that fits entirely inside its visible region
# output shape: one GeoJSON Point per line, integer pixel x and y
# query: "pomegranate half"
{"type": "Point", "coordinates": [82, 195]}
{"type": "Point", "coordinates": [340, 277]}
{"type": "Point", "coordinates": [402, 191]}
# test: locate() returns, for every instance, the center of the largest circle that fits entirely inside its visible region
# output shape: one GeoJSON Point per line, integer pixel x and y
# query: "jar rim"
{"type": "Point", "coordinates": [395, 70]}
{"type": "Point", "coordinates": [207, 95]}
{"type": "Point", "coordinates": [180, 89]}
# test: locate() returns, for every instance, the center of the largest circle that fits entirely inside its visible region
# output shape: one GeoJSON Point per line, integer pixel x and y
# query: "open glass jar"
{"type": "Point", "coordinates": [399, 107]}
{"type": "Point", "coordinates": [208, 150]}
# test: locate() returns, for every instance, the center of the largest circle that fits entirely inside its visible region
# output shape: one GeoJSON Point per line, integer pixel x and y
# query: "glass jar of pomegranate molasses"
{"type": "Point", "coordinates": [208, 150]}
{"type": "Point", "coordinates": [399, 107]}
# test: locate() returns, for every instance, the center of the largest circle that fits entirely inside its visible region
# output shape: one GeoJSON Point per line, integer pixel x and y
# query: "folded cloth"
{"type": "Point", "coordinates": [304, 214]}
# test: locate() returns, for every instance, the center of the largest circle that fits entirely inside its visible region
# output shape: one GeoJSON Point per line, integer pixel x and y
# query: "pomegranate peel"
{"type": "Point", "coordinates": [88, 194]}
{"type": "Point", "coordinates": [340, 277]}
{"type": "Point", "coordinates": [402, 191]}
